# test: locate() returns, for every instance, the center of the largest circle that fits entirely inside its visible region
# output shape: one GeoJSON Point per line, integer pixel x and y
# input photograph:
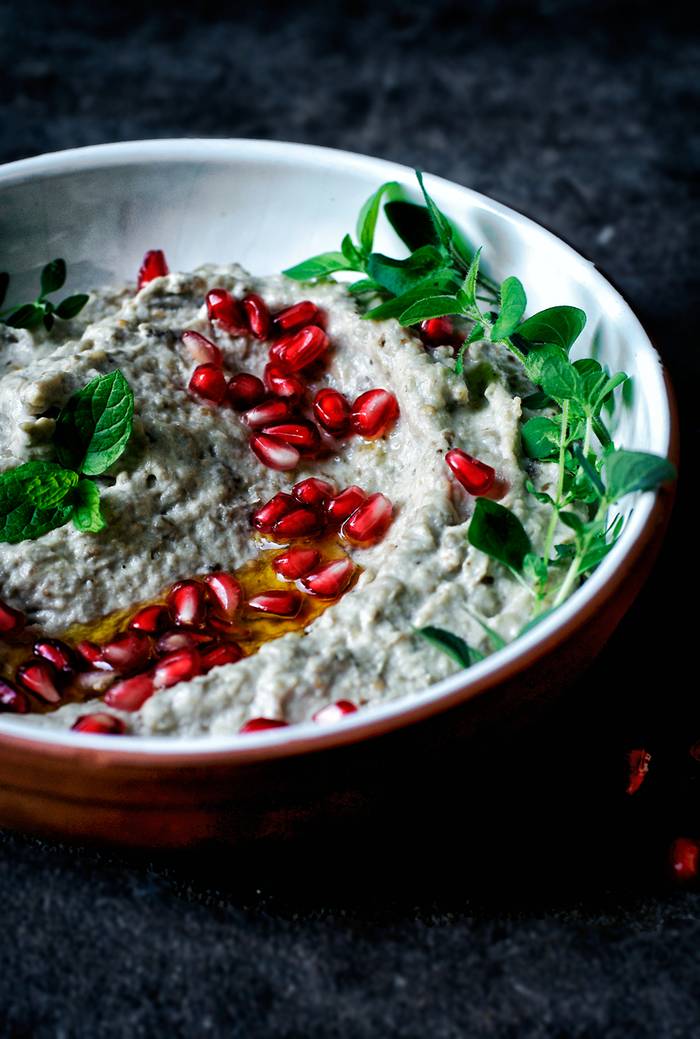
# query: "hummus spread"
{"type": "Point", "coordinates": [178, 502]}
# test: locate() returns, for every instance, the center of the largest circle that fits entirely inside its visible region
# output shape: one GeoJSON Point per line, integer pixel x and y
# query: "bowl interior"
{"type": "Point", "coordinates": [268, 205]}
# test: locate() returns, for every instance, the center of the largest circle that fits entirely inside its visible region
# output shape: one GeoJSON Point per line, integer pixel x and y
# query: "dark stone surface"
{"type": "Point", "coordinates": [555, 917]}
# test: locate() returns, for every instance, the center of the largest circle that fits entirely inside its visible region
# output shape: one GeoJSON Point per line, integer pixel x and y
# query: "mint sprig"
{"type": "Point", "coordinates": [442, 277]}
{"type": "Point", "coordinates": [42, 309]}
{"type": "Point", "coordinates": [92, 432]}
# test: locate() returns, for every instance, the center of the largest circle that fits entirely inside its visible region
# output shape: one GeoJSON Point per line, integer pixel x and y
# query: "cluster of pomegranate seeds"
{"type": "Point", "coordinates": [152, 266]}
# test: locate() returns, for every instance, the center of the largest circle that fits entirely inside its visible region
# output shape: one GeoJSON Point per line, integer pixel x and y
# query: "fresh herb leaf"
{"type": "Point", "coordinates": [541, 437]}
{"type": "Point", "coordinates": [356, 261]}
{"type": "Point", "coordinates": [558, 325]}
{"type": "Point", "coordinates": [467, 294]}
{"type": "Point", "coordinates": [452, 645]}
{"type": "Point", "coordinates": [513, 303]}
{"type": "Point", "coordinates": [498, 532]}
{"type": "Point", "coordinates": [369, 214]}
{"type": "Point", "coordinates": [438, 285]}
{"type": "Point", "coordinates": [94, 427]}
{"type": "Point", "coordinates": [550, 368]}
{"type": "Point", "coordinates": [628, 471]}
{"type": "Point", "coordinates": [435, 306]}
{"type": "Point", "coordinates": [318, 267]}
{"type": "Point", "coordinates": [400, 276]}
{"type": "Point", "coordinates": [53, 277]}
{"type": "Point", "coordinates": [87, 515]}
{"type": "Point", "coordinates": [29, 315]}
{"type": "Point", "coordinates": [34, 500]}
{"type": "Point", "coordinates": [71, 305]}
{"type": "Point", "coordinates": [412, 223]}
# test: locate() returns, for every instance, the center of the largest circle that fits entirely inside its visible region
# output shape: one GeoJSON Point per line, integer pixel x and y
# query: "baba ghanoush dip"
{"type": "Point", "coordinates": [279, 542]}
{"type": "Point", "coordinates": [231, 503]}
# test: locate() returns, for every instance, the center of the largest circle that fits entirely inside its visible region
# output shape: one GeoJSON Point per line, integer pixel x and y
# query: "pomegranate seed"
{"type": "Point", "coordinates": [302, 435]}
{"type": "Point", "coordinates": [258, 724]}
{"type": "Point", "coordinates": [475, 476]}
{"type": "Point", "coordinates": [100, 722]}
{"type": "Point", "coordinates": [282, 383]}
{"type": "Point", "coordinates": [295, 563]}
{"type": "Point", "coordinates": [374, 413]}
{"type": "Point", "coordinates": [267, 515]}
{"type": "Point", "coordinates": [330, 579]}
{"type": "Point", "coordinates": [273, 453]}
{"type": "Point", "coordinates": [229, 653]}
{"type": "Point", "coordinates": [224, 308]}
{"type": "Point", "coordinates": [296, 316]}
{"type": "Point", "coordinates": [201, 349]}
{"type": "Point", "coordinates": [57, 653]}
{"type": "Point", "coordinates": [245, 391]}
{"type": "Point", "coordinates": [152, 266]}
{"type": "Point", "coordinates": [11, 621]}
{"type": "Point", "coordinates": [303, 348]}
{"type": "Point", "coordinates": [258, 315]}
{"type": "Point", "coordinates": [685, 859]}
{"type": "Point", "coordinates": [267, 414]}
{"type": "Point", "coordinates": [333, 712]}
{"type": "Point", "coordinates": [209, 382]}
{"type": "Point", "coordinates": [338, 509]}
{"type": "Point", "coordinates": [279, 603]}
{"type": "Point", "coordinates": [187, 602]}
{"type": "Point", "coordinates": [91, 654]}
{"type": "Point", "coordinates": [301, 523]}
{"type": "Point", "coordinates": [313, 492]}
{"type": "Point", "coordinates": [637, 768]}
{"type": "Point", "coordinates": [332, 411]}
{"type": "Point", "coordinates": [225, 590]}
{"type": "Point", "coordinates": [128, 652]}
{"type": "Point", "coordinates": [370, 522]}
{"type": "Point", "coordinates": [130, 693]}
{"type": "Point", "coordinates": [437, 330]}
{"type": "Point", "coordinates": [179, 638]}
{"type": "Point", "coordinates": [12, 699]}
{"type": "Point", "coordinates": [39, 677]}
{"type": "Point", "coordinates": [94, 683]}
{"type": "Point", "coordinates": [150, 620]}
{"type": "Point", "coordinates": [177, 667]}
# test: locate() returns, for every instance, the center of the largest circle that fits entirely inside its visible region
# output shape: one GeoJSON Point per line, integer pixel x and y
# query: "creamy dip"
{"type": "Point", "coordinates": [178, 502]}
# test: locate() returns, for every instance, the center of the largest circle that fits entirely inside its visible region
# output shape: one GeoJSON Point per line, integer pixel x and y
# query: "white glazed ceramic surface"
{"type": "Point", "coordinates": [268, 205]}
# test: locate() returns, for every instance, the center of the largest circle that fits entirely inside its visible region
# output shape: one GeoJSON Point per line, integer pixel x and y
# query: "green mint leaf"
{"type": "Point", "coordinates": [34, 500]}
{"type": "Point", "coordinates": [628, 471]}
{"type": "Point", "coordinates": [452, 645]}
{"type": "Point", "coordinates": [318, 267]}
{"type": "Point", "coordinates": [364, 286]}
{"type": "Point", "coordinates": [594, 481]}
{"type": "Point", "coordinates": [412, 223]}
{"type": "Point", "coordinates": [436, 285]}
{"type": "Point", "coordinates": [352, 254]}
{"type": "Point", "coordinates": [572, 521]}
{"type": "Point", "coordinates": [550, 368]}
{"type": "Point", "coordinates": [94, 427]}
{"type": "Point", "coordinates": [513, 303]}
{"type": "Point", "coordinates": [71, 305]}
{"type": "Point", "coordinates": [53, 276]}
{"type": "Point", "coordinates": [447, 234]}
{"type": "Point", "coordinates": [498, 532]}
{"type": "Point", "coordinates": [399, 276]}
{"type": "Point", "coordinates": [434, 306]}
{"type": "Point", "coordinates": [541, 437]}
{"type": "Point", "coordinates": [4, 284]}
{"type": "Point", "coordinates": [367, 220]}
{"type": "Point", "coordinates": [27, 316]}
{"type": "Point", "coordinates": [558, 325]}
{"type": "Point", "coordinates": [467, 294]}
{"type": "Point", "coordinates": [87, 515]}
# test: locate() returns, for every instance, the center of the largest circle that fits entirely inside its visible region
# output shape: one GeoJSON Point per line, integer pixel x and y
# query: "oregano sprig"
{"type": "Point", "coordinates": [92, 432]}
{"type": "Point", "coordinates": [442, 277]}
{"type": "Point", "coordinates": [42, 310]}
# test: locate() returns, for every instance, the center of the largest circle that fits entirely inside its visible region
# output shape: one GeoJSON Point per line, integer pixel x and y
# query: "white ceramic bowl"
{"type": "Point", "coordinates": [267, 205]}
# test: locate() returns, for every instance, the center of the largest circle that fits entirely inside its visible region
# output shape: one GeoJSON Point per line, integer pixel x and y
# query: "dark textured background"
{"type": "Point", "coordinates": [555, 919]}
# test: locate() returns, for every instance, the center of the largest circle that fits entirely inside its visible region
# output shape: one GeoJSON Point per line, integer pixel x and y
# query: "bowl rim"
{"type": "Point", "coordinates": [376, 719]}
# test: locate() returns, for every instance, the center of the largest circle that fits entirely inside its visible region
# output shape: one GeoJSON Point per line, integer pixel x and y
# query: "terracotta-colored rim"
{"type": "Point", "coordinates": [371, 727]}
